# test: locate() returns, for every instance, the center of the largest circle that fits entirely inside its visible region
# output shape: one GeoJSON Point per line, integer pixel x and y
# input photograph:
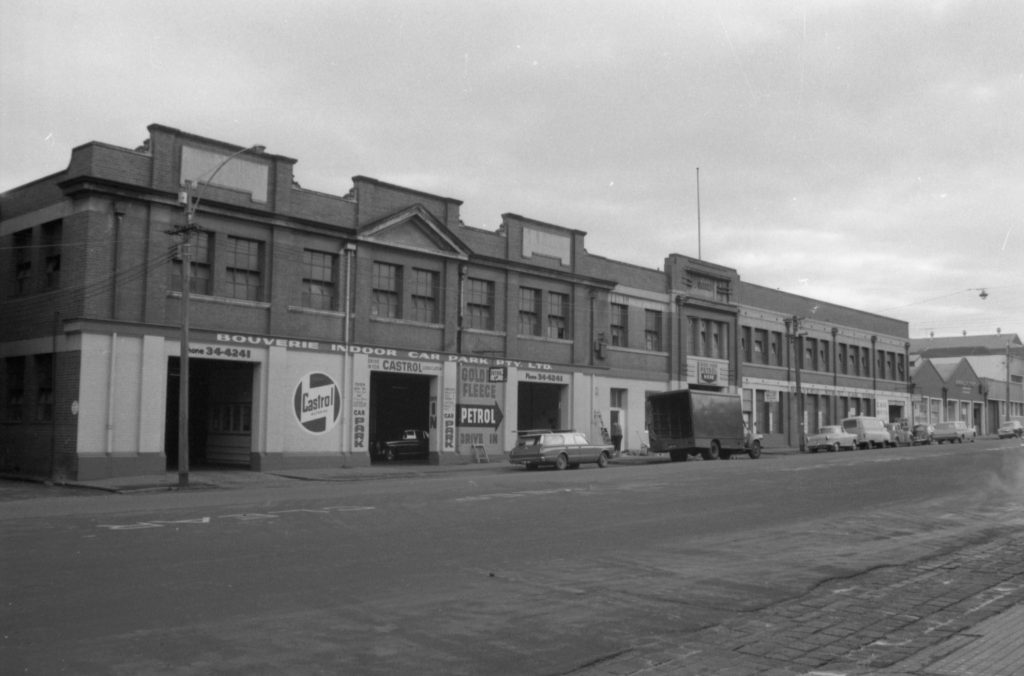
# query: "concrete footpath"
{"type": "Point", "coordinates": [956, 613]}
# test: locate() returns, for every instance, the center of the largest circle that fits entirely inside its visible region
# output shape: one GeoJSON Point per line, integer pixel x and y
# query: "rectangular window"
{"type": "Point", "coordinates": [809, 354]}
{"type": "Point", "coordinates": [761, 346]}
{"type": "Point", "coordinates": [776, 354]}
{"type": "Point", "coordinates": [44, 387]}
{"type": "Point", "coordinates": [424, 296]}
{"type": "Point", "coordinates": [387, 290]}
{"type": "Point", "coordinates": [841, 358]}
{"type": "Point", "coordinates": [746, 347]}
{"type": "Point", "coordinates": [51, 254]}
{"type": "Point", "coordinates": [200, 278]}
{"type": "Point", "coordinates": [652, 330]}
{"type": "Point", "coordinates": [23, 262]}
{"type": "Point", "coordinates": [717, 343]}
{"type": "Point", "coordinates": [479, 304]}
{"type": "Point", "coordinates": [319, 272]}
{"type": "Point", "coordinates": [529, 312]}
{"type": "Point", "coordinates": [558, 311]}
{"type": "Point", "coordinates": [14, 409]}
{"type": "Point", "coordinates": [618, 397]}
{"type": "Point", "coordinates": [823, 361]}
{"type": "Point", "coordinates": [244, 269]}
{"type": "Point", "coordinates": [620, 325]}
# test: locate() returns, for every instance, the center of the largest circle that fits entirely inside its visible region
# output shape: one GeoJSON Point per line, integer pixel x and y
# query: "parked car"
{"type": "Point", "coordinates": [1010, 429]}
{"type": "Point", "coordinates": [831, 438]}
{"type": "Point", "coordinates": [899, 433]}
{"type": "Point", "coordinates": [921, 434]}
{"type": "Point", "coordinates": [412, 444]}
{"type": "Point", "coordinates": [561, 450]}
{"type": "Point", "coordinates": [870, 432]}
{"type": "Point", "coordinates": [954, 430]}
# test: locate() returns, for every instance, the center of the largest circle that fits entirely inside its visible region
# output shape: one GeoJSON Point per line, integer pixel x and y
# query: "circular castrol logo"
{"type": "Point", "coordinates": [317, 402]}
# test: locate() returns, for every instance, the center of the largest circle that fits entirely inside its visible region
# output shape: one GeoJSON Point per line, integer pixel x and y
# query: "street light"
{"type": "Point", "coordinates": [190, 200]}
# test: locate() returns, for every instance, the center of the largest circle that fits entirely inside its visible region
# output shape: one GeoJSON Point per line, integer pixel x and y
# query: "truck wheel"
{"type": "Point", "coordinates": [561, 462]}
{"type": "Point", "coordinates": [711, 453]}
{"type": "Point", "coordinates": [755, 450]}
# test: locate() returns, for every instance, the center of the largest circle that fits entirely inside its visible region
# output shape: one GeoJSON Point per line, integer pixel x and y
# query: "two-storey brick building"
{"type": "Point", "coordinates": [321, 325]}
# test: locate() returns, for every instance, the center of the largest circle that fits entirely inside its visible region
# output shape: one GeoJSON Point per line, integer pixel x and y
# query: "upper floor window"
{"type": "Point", "coordinates": [479, 304]}
{"type": "Point", "coordinates": [652, 330]}
{"type": "Point", "coordinates": [244, 269]}
{"type": "Point", "coordinates": [558, 311]}
{"type": "Point", "coordinates": [23, 262]}
{"type": "Point", "coordinates": [746, 349]}
{"type": "Point", "coordinates": [620, 325]}
{"type": "Point", "coordinates": [319, 272]}
{"type": "Point", "coordinates": [529, 312]}
{"type": "Point", "coordinates": [14, 406]}
{"type": "Point", "coordinates": [841, 358]}
{"type": "Point", "coordinates": [51, 254]}
{"type": "Point", "coordinates": [200, 279]}
{"type": "Point", "coordinates": [387, 290]}
{"type": "Point", "coordinates": [424, 296]}
{"type": "Point", "coordinates": [776, 348]}
{"type": "Point", "coordinates": [44, 387]}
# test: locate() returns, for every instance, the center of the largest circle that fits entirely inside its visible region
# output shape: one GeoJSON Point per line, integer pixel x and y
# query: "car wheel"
{"type": "Point", "coordinates": [755, 450]}
{"type": "Point", "coordinates": [835, 447]}
{"type": "Point", "coordinates": [602, 460]}
{"type": "Point", "coordinates": [562, 461]}
{"type": "Point", "coordinates": [712, 452]}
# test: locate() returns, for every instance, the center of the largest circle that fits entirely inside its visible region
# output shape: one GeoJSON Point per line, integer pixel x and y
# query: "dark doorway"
{"type": "Point", "coordinates": [220, 413]}
{"type": "Point", "coordinates": [398, 404]}
{"type": "Point", "coordinates": [540, 406]}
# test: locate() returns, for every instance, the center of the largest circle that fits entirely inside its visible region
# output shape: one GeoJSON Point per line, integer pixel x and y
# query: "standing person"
{"type": "Point", "coordinates": [617, 434]}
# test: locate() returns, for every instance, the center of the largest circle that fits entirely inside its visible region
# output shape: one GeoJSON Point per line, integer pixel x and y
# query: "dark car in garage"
{"type": "Point", "coordinates": [412, 444]}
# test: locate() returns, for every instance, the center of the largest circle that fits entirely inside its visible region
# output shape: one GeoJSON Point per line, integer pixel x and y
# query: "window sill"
{"type": "Point", "coordinates": [301, 309]}
{"type": "Point", "coordinates": [222, 300]}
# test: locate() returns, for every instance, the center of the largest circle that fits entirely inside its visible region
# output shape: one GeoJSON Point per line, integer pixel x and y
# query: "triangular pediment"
{"type": "Point", "coordinates": [415, 229]}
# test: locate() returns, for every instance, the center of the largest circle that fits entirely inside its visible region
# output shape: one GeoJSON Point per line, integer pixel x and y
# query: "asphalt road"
{"type": "Point", "coordinates": [497, 572]}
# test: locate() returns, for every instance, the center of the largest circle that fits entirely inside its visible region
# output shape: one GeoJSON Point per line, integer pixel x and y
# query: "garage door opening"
{"type": "Point", "coordinates": [400, 418]}
{"type": "Point", "coordinates": [541, 406]}
{"type": "Point", "coordinates": [220, 413]}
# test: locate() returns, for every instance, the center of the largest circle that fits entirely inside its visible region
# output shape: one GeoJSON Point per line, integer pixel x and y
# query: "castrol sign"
{"type": "Point", "coordinates": [317, 402]}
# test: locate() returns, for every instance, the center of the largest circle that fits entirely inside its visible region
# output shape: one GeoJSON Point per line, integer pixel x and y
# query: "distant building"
{"type": "Point", "coordinates": [322, 325]}
{"type": "Point", "coordinates": [983, 393]}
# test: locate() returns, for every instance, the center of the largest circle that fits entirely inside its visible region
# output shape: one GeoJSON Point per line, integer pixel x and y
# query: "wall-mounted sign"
{"type": "Point", "coordinates": [497, 374]}
{"type": "Point", "coordinates": [479, 415]}
{"type": "Point", "coordinates": [317, 402]}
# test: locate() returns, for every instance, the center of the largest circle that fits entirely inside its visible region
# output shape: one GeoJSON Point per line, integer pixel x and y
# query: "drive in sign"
{"type": "Point", "coordinates": [479, 415]}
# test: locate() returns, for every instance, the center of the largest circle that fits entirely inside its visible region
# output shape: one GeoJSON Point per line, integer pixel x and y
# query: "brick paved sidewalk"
{"type": "Point", "coordinates": [953, 614]}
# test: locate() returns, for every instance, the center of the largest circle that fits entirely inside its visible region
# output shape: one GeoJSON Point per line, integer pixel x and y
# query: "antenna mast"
{"type": "Point", "coordinates": [699, 257]}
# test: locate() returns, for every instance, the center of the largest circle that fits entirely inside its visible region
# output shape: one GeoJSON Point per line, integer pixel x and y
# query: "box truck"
{"type": "Point", "coordinates": [687, 422]}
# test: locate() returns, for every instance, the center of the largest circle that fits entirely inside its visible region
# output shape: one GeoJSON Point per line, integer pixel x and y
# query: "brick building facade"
{"type": "Point", "coordinates": [323, 324]}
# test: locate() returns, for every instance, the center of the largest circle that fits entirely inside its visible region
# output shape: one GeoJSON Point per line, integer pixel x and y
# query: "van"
{"type": "Point", "coordinates": [870, 432]}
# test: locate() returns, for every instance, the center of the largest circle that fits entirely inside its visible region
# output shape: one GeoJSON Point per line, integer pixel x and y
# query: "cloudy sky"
{"type": "Point", "coordinates": [866, 153]}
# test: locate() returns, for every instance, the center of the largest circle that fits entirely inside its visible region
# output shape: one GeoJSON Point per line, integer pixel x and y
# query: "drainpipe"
{"type": "Point", "coordinates": [835, 376]}
{"type": "Point", "coordinates": [350, 250]}
{"type": "Point", "coordinates": [874, 373]}
{"type": "Point", "coordinates": [110, 393]}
